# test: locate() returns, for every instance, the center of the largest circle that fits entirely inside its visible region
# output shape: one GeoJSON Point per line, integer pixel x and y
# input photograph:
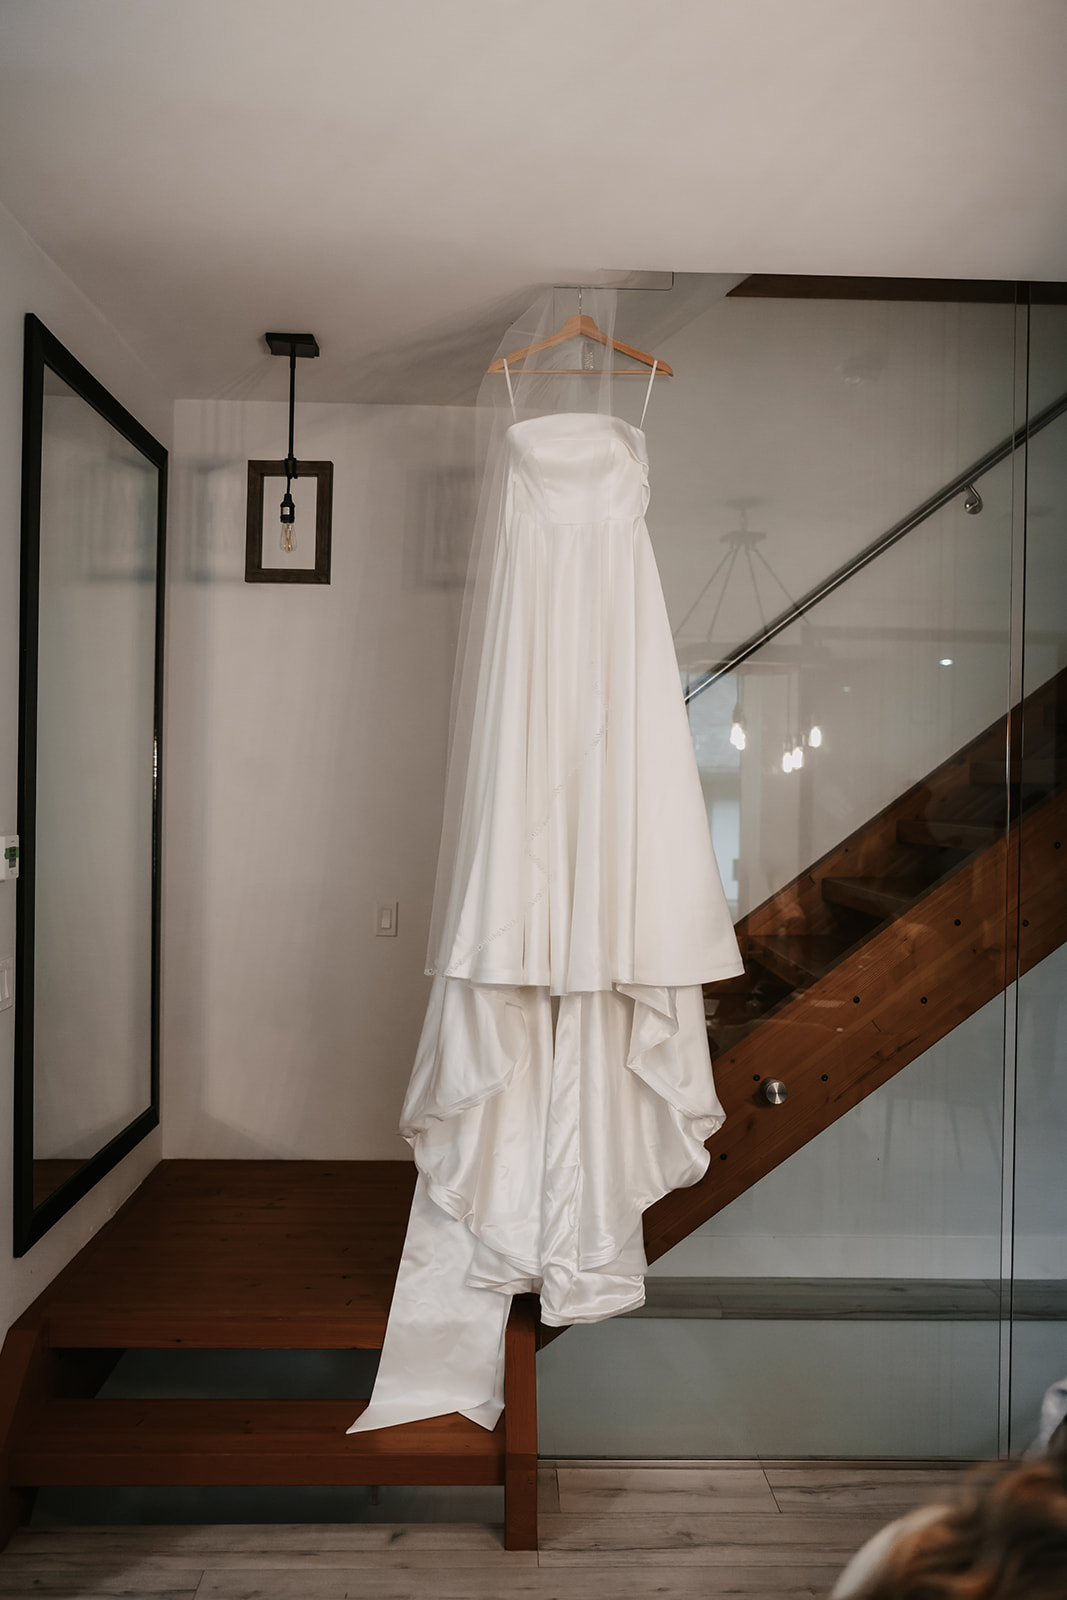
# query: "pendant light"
{"type": "Point", "coordinates": [270, 557]}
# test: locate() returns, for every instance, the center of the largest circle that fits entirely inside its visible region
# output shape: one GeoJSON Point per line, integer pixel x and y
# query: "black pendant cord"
{"type": "Point", "coordinates": [290, 460]}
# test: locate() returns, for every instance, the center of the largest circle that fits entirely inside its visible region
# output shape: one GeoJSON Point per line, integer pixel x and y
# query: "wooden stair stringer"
{"type": "Point", "coordinates": [907, 986]}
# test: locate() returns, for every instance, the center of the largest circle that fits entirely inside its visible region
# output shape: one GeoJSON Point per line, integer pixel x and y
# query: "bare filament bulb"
{"type": "Point", "coordinates": [287, 537]}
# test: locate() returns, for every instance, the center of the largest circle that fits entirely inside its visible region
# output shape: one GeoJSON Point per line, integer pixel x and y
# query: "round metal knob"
{"type": "Point", "coordinates": [774, 1091]}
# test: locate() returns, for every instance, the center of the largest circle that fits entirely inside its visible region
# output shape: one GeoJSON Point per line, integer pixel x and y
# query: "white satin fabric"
{"type": "Point", "coordinates": [562, 1081]}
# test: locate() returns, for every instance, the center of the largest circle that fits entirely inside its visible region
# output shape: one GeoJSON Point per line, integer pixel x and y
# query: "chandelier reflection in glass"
{"type": "Point", "coordinates": [741, 544]}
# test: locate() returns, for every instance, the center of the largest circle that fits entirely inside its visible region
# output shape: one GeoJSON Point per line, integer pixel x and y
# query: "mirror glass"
{"type": "Point", "coordinates": [87, 999]}
{"type": "Point", "coordinates": [95, 701]}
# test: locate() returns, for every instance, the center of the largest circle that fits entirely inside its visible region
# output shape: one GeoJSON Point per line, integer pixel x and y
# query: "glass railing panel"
{"type": "Point", "coordinates": [795, 432]}
{"type": "Point", "coordinates": [865, 696]}
{"type": "Point", "coordinates": [848, 1304]}
{"type": "Point", "coordinates": [1039, 1098]}
{"type": "Point", "coordinates": [850, 1301]}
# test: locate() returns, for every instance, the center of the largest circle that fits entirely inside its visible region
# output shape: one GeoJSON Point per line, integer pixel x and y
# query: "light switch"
{"type": "Point", "coordinates": [9, 855]}
{"type": "Point", "coordinates": [386, 913]}
{"type": "Point", "coordinates": [7, 982]}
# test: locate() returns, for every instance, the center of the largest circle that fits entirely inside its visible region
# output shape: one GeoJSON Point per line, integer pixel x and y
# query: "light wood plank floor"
{"type": "Point", "coordinates": [630, 1531]}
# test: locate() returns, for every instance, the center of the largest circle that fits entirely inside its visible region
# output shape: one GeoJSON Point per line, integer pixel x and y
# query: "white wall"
{"type": "Point", "coordinates": [305, 761]}
{"type": "Point", "coordinates": [30, 282]}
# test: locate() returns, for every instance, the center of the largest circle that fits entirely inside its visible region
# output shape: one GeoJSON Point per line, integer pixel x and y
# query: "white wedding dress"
{"type": "Point", "coordinates": [562, 1081]}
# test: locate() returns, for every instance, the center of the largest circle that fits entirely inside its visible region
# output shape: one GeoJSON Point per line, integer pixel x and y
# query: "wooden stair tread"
{"type": "Point", "coordinates": [733, 1007]}
{"type": "Point", "coordinates": [726, 1035]}
{"type": "Point", "coordinates": [82, 1442]}
{"type": "Point", "coordinates": [206, 1321]}
{"type": "Point", "coordinates": [255, 1254]}
{"type": "Point", "coordinates": [947, 835]}
{"type": "Point", "coordinates": [877, 897]}
{"type": "Point", "coordinates": [799, 959]}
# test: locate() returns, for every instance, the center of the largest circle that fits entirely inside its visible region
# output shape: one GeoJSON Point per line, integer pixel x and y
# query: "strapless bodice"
{"type": "Point", "coordinates": [576, 467]}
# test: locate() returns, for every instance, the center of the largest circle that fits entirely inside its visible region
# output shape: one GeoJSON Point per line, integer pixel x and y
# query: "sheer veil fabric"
{"type": "Point", "coordinates": [562, 1081]}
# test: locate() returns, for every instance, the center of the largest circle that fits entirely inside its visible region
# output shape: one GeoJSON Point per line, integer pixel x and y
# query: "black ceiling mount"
{"type": "Point", "coordinates": [292, 344]}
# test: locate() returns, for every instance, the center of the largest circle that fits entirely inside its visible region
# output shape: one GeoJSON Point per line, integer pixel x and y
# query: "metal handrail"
{"type": "Point", "coordinates": [963, 480]}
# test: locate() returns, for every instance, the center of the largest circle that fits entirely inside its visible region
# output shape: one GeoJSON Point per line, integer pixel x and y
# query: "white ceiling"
{"type": "Point", "coordinates": [397, 176]}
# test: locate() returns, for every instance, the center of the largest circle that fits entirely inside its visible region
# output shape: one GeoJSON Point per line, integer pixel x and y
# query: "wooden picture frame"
{"type": "Point", "coordinates": [258, 473]}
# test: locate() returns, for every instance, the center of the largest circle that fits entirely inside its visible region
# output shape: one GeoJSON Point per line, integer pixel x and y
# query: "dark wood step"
{"type": "Point", "coordinates": [875, 897]}
{"type": "Point", "coordinates": [1036, 772]}
{"type": "Point", "coordinates": [192, 1442]}
{"type": "Point", "coordinates": [220, 1316]}
{"type": "Point", "coordinates": [798, 959]}
{"type": "Point", "coordinates": [251, 1254]}
{"type": "Point", "coordinates": [724, 1036]}
{"type": "Point", "coordinates": [947, 835]}
{"type": "Point", "coordinates": [742, 1007]}
{"type": "Point", "coordinates": [242, 1255]}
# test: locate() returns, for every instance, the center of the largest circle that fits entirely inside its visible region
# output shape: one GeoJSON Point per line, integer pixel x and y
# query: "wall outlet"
{"type": "Point", "coordinates": [7, 982]}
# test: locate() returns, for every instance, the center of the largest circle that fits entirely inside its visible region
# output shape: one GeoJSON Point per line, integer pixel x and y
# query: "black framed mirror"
{"type": "Point", "coordinates": [87, 963]}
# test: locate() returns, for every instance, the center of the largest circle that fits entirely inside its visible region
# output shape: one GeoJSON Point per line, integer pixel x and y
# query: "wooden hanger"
{"type": "Point", "coordinates": [579, 327]}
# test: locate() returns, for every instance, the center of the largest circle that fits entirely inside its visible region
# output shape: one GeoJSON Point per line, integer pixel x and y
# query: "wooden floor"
{"type": "Point", "coordinates": [610, 1531]}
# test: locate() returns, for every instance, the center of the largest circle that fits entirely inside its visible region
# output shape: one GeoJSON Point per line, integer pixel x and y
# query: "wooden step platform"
{"type": "Point", "coordinates": [797, 959]}
{"type": "Point", "coordinates": [296, 1255]}
{"type": "Point", "coordinates": [244, 1255]}
{"type": "Point", "coordinates": [192, 1442]}
{"type": "Point", "coordinates": [946, 835]}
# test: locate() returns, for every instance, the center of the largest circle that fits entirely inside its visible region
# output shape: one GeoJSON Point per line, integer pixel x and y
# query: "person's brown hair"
{"type": "Point", "coordinates": [1006, 1540]}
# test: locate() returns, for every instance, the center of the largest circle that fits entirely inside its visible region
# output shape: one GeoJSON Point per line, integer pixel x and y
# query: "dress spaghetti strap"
{"type": "Point", "coordinates": [648, 391]}
{"type": "Point", "coordinates": [511, 391]}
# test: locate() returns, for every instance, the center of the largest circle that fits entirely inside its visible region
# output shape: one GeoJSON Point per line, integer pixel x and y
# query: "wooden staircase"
{"type": "Point", "coordinates": [884, 946]}
{"type": "Point", "coordinates": [852, 970]}
{"type": "Point", "coordinates": [245, 1255]}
